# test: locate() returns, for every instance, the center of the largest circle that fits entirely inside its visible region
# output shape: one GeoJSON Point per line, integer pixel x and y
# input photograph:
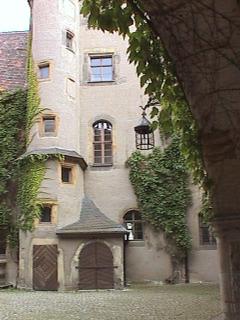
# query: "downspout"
{"type": "Point", "coordinates": [124, 259]}
{"type": "Point", "coordinates": [187, 279]}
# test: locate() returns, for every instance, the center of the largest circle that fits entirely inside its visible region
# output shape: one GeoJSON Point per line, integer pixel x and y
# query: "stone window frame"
{"type": "Point", "coordinates": [71, 166]}
{"type": "Point", "coordinates": [71, 97]}
{"type": "Point", "coordinates": [42, 132]}
{"type": "Point", "coordinates": [69, 40]}
{"type": "Point", "coordinates": [87, 67]}
{"type": "Point", "coordinates": [100, 57]}
{"type": "Point", "coordinates": [133, 221]}
{"type": "Point", "coordinates": [53, 205]}
{"type": "Point", "coordinates": [102, 143]}
{"type": "Point", "coordinates": [43, 64]}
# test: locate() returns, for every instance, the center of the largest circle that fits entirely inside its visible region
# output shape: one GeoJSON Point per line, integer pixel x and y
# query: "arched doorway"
{"type": "Point", "coordinates": [96, 267]}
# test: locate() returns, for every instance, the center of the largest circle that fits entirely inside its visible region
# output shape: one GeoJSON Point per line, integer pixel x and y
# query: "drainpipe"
{"type": "Point", "coordinates": [186, 267]}
{"type": "Point", "coordinates": [124, 261]}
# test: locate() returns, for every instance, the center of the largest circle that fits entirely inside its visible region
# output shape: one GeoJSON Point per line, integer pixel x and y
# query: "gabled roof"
{"type": "Point", "coordinates": [69, 154]}
{"type": "Point", "coordinates": [92, 221]}
{"type": "Point", "coordinates": [13, 60]}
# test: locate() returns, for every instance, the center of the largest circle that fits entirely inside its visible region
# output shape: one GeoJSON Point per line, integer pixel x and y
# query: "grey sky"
{"type": "Point", "coordinates": [14, 15]}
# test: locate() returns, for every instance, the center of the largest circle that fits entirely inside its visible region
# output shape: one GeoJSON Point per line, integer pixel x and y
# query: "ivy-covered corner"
{"type": "Point", "coordinates": [12, 145]}
{"type": "Point", "coordinates": [161, 183]}
{"type": "Point", "coordinates": [19, 180]}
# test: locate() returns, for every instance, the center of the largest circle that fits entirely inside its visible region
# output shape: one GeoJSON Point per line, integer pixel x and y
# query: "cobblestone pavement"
{"type": "Point", "coordinates": [181, 302]}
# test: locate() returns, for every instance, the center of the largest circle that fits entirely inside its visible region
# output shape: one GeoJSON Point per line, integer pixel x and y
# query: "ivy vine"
{"type": "Point", "coordinates": [12, 145]}
{"type": "Point", "coordinates": [160, 181]}
{"type": "Point", "coordinates": [32, 173]}
{"type": "Point", "coordinates": [158, 77]}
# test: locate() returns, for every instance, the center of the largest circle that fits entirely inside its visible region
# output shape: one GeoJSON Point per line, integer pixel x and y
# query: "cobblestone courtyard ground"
{"type": "Point", "coordinates": [181, 302]}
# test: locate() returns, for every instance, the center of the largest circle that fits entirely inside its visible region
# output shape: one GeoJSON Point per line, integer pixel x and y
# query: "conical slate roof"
{"type": "Point", "coordinates": [92, 221]}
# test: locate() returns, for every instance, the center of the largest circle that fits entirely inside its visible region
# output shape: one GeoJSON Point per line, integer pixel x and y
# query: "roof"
{"type": "Point", "coordinates": [13, 60]}
{"type": "Point", "coordinates": [92, 221]}
{"type": "Point", "coordinates": [70, 154]}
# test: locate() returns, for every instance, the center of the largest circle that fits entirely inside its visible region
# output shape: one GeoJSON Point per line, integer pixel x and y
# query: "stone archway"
{"type": "Point", "coordinates": [96, 267]}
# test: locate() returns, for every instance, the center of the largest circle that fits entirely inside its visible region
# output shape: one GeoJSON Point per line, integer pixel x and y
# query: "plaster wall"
{"type": "Point", "coordinates": [50, 23]}
{"type": "Point", "coordinates": [72, 248]}
{"type": "Point", "coordinates": [66, 199]}
{"type": "Point", "coordinates": [108, 187]}
{"type": "Point", "coordinates": [148, 260]}
{"type": "Point", "coordinates": [203, 259]}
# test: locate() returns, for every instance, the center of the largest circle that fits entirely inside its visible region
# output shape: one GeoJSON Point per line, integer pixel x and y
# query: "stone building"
{"type": "Point", "coordinates": [90, 95]}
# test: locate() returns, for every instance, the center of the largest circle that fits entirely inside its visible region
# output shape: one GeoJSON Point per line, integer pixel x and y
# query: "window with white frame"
{"type": "Point", "coordinates": [102, 143]}
{"type": "Point", "coordinates": [134, 224]}
{"type": "Point", "coordinates": [101, 68]}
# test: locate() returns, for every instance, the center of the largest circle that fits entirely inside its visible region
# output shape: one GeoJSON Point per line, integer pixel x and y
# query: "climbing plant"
{"type": "Point", "coordinates": [156, 72]}
{"type": "Point", "coordinates": [158, 77]}
{"type": "Point", "coordinates": [12, 144]}
{"type": "Point", "coordinates": [32, 168]}
{"type": "Point", "coordinates": [160, 181]}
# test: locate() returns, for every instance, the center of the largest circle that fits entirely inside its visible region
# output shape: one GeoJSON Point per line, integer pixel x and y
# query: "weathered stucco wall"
{"type": "Point", "coordinates": [109, 187]}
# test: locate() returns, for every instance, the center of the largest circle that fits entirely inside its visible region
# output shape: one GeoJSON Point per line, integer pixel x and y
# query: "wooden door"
{"type": "Point", "coordinates": [45, 275]}
{"type": "Point", "coordinates": [96, 267]}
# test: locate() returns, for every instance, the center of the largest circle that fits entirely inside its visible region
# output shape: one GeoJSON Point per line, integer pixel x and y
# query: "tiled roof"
{"type": "Point", "coordinates": [92, 221]}
{"type": "Point", "coordinates": [54, 150]}
{"type": "Point", "coordinates": [13, 59]}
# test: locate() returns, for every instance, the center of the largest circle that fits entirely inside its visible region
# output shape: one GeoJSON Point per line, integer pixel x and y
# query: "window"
{"type": "Point", "coordinates": [71, 88]}
{"type": "Point", "coordinates": [3, 239]}
{"type": "Point", "coordinates": [133, 223]}
{"type": "Point", "coordinates": [206, 235]}
{"type": "Point", "coordinates": [49, 124]}
{"type": "Point", "coordinates": [69, 40]}
{"type": "Point", "coordinates": [66, 174]}
{"type": "Point", "coordinates": [44, 70]}
{"type": "Point", "coordinates": [102, 143]}
{"type": "Point", "coordinates": [101, 68]}
{"type": "Point", "coordinates": [46, 213]}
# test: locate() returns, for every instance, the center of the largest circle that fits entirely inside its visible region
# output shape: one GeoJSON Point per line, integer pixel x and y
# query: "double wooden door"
{"type": "Point", "coordinates": [45, 275]}
{"type": "Point", "coordinates": [96, 267]}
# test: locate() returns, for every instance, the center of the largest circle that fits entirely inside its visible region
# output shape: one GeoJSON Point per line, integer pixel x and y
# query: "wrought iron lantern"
{"type": "Point", "coordinates": [144, 133]}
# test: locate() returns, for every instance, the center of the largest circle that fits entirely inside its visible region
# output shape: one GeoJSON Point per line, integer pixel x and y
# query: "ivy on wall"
{"type": "Point", "coordinates": [160, 181]}
{"type": "Point", "coordinates": [155, 70]}
{"type": "Point", "coordinates": [12, 145]}
{"type": "Point", "coordinates": [158, 77]}
{"type": "Point", "coordinates": [32, 172]}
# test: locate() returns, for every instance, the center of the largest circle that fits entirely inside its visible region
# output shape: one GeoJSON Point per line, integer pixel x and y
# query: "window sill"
{"type": "Point", "coordinates": [101, 166]}
{"type": "Point", "coordinates": [44, 79]}
{"type": "Point", "coordinates": [100, 83]}
{"type": "Point", "coordinates": [71, 50]}
{"type": "Point", "coordinates": [136, 243]}
{"type": "Point", "coordinates": [54, 135]}
{"type": "Point", "coordinates": [207, 247]}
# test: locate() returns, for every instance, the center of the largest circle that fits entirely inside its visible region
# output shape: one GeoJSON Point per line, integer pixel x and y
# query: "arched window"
{"type": "Point", "coordinates": [206, 235]}
{"type": "Point", "coordinates": [133, 223]}
{"type": "Point", "coordinates": [102, 143]}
